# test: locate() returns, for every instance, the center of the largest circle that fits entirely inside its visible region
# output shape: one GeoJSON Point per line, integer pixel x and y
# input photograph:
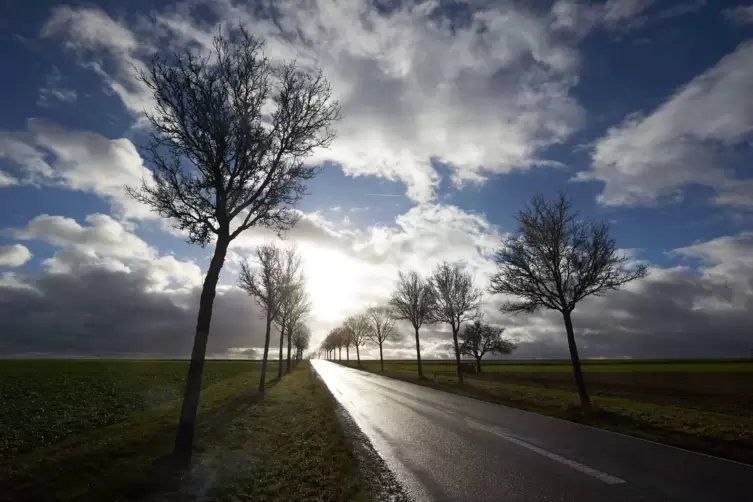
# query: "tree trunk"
{"type": "Point", "coordinates": [478, 365]}
{"type": "Point", "coordinates": [279, 358]}
{"type": "Point", "coordinates": [347, 353]}
{"type": "Point", "coordinates": [358, 355]}
{"type": "Point", "coordinates": [457, 353]}
{"type": "Point", "coordinates": [585, 401]}
{"type": "Point", "coordinates": [187, 423]}
{"type": "Point", "coordinates": [381, 359]}
{"type": "Point", "coordinates": [418, 356]}
{"type": "Point", "coordinates": [340, 353]}
{"type": "Point", "coordinates": [266, 355]}
{"type": "Point", "coordinates": [290, 346]}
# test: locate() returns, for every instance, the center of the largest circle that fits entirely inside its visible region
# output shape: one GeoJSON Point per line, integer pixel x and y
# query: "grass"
{"type": "Point", "coordinates": [122, 457]}
{"type": "Point", "coordinates": [290, 446]}
{"type": "Point", "coordinates": [45, 401]}
{"type": "Point", "coordinates": [703, 410]}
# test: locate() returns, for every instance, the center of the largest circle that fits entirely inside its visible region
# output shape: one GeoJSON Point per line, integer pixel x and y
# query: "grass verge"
{"type": "Point", "coordinates": [720, 434]}
{"type": "Point", "coordinates": [290, 446]}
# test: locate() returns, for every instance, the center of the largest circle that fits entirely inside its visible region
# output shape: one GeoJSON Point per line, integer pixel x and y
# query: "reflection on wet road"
{"type": "Point", "coordinates": [447, 447]}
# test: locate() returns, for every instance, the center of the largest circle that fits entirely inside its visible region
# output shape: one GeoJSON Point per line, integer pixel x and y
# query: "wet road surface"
{"type": "Point", "coordinates": [446, 447]}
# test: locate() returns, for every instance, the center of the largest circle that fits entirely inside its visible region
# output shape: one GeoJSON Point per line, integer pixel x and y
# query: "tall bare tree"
{"type": "Point", "coordinates": [382, 328]}
{"type": "Point", "coordinates": [413, 300]}
{"type": "Point", "coordinates": [298, 310]}
{"type": "Point", "coordinates": [457, 301]}
{"type": "Point", "coordinates": [301, 340]}
{"type": "Point", "coordinates": [223, 160]}
{"type": "Point", "coordinates": [346, 338]}
{"type": "Point", "coordinates": [266, 284]}
{"type": "Point", "coordinates": [293, 294]}
{"type": "Point", "coordinates": [555, 261]}
{"type": "Point", "coordinates": [479, 339]}
{"type": "Point", "coordinates": [358, 328]}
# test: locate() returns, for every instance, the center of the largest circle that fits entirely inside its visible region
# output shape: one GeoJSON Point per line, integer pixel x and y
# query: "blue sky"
{"type": "Point", "coordinates": [455, 115]}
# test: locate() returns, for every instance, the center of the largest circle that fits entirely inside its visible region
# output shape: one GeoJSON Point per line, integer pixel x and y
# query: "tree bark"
{"type": "Point", "coordinates": [279, 358]}
{"type": "Point", "coordinates": [418, 356]}
{"type": "Point", "coordinates": [347, 354]}
{"type": "Point", "coordinates": [290, 346]}
{"type": "Point", "coordinates": [184, 438]}
{"type": "Point", "coordinates": [381, 359]}
{"type": "Point", "coordinates": [478, 365]}
{"type": "Point", "coordinates": [585, 401]}
{"type": "Point", "coordinates": [358, 355]}
{"type": "Point", "coordinates": [457, 353]}
{"type": "Point", "coordinates": [266, 355]}
{"type": "Point", "coordinates": [339, 353]}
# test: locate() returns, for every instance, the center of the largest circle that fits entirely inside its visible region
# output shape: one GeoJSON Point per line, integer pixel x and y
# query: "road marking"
{"type": "Point", "coordinates": [601, 476]}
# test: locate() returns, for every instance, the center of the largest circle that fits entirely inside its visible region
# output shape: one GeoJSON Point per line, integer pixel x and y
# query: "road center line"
{"type": "Point", "coordinates": [601, 476]}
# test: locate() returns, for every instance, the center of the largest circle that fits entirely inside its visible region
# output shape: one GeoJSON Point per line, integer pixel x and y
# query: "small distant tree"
{"type": "Point", "coordinates": [381, 328]}
{"type": "Point", "coordinates": [223, 160]}
{"type": "Point", "coordinates": [358, 329]}
{"type": "Point", "coordinates": [300, 306]}
{"type": "Point", "coordinates": [291, 287]}
{"type": "Point", "coordinates": [555, 261]}
{"type": "Point", "coordinates": [457, 301]}
{"type": "Point", "coordinates": [346, 338]}
{"type": "Point", "coordinates": [301, 340]}
{"type": "Point", "coordinates": [265, 284]}
{"type": "Point", "coordinates": [479, 339]}
{"type": "Point", "coordinates": [413, 300]}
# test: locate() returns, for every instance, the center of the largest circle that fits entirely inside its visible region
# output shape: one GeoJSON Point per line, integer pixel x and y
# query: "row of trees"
{"type": "Point", "coordinates": [277, 285]}
{"type": "Point", "coordinates": [376, 325]}
{"type": "Point", "coordinates": [230, 133]}
{"type": "Point", "coordinates": [555, 261]}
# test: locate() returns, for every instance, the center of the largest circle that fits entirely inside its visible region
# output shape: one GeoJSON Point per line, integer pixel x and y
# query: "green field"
{"type": "Point", "coordinates": [45, 401]}
{"type": "Point", "coordinates": [706, 405]}
{"type": "Point", "coordinates": [99, 430]}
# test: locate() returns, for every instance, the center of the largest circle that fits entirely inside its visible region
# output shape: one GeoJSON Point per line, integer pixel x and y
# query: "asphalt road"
{"type": "Point", "coordinates": [446, 447]}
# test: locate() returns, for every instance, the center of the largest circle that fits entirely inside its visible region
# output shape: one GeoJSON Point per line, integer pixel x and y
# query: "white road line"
{"type": "Point", "coordinates": [601, 476]}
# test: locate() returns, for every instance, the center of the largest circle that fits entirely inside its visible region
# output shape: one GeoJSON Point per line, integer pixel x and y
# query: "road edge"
{"type": "Point", "coordinates": [380, 481]}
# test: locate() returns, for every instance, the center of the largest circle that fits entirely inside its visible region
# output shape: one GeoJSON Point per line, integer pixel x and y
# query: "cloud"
{"type": "Point", "coordinates": [105, 292]}
{"type": "Point", "coordinates": [483, 95]}
{"type": "Point", "coordinates": [7, 180]}
{"type": "Point", "coordinates": [104, 243]}
{"type": "Point", "coordinates": [52, 90]}
{"type": "Point", "coordinates": [742, 14]}
{"type": "Point", "coordinates": [50, 154]}
{"type": "Point", "coordinates": [107, 47]}
{"type": "Point", "coordinates": [103, 312]}
{"type": "Point", "coordinates": [683, 142]}
{"type": "Point", "coordinates": [14, 255]}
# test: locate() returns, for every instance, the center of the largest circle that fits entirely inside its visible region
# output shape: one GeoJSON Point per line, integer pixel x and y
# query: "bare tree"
{"type": "Point", "coordinates": [457, 301]}
{"type": "Point", "coordinates": [266, 285]}
{"type": "Point", "coordinates": [223, 163]}
{"type": "Point", "coordinates": [382, 328]}
{"type": "Point", "coordinates": [555, 261]}
{"type": "Point", "coordinates": [293, 298]}
{"type": "Point", "coordinates": [413, 300]}
{"type": "Point", "coordinates": [301, 340]}
{"type": "Point", "coordinates": [479, 339]}
{"type": "Point", "coordinates": [346, 339]}
{"type": "Point", "coordinates": [358, 329]}
{"type": "Point", "coordinates": [299, 308]}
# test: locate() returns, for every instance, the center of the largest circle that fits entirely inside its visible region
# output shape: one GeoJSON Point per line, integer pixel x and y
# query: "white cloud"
{"type": "Point", "coordinates": [104, 243]}
{"type": "Point", "coordinates": [742, 14]}
{"type": "Point", "coordinates": [14, 255]}
{"type": "Point", "coordinates": [7, 180]}
{"type": "Point", "coordinates": [683, 141]}
{"type": "Point", "coordinates": [107, 47]}
{"type": "Point", "coordinates": [483, 96]}
{"type": "Point", "coordinates": [53, 90]}
{"type": "Point", "coordinates": [78, 160]}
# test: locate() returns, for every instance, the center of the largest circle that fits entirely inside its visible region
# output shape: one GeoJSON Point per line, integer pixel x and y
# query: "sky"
{"type": "Point", "coordinates": [455, 114]}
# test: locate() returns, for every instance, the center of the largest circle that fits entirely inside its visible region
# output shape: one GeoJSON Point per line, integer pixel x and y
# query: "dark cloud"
{"type": "Point", "coordinates": [100, 312]}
